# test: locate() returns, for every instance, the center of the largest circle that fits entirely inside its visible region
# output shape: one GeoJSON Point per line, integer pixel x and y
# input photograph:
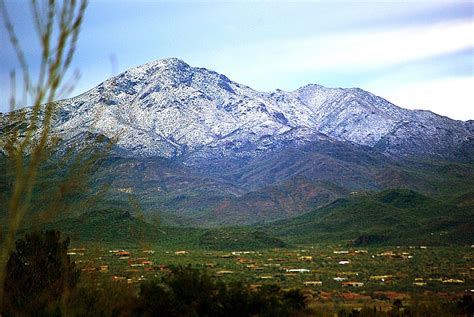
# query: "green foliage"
{"type": "Point", "coordinates": [38, 273]}
{"type": "Point", "coordinates": [190, 292]}
{"type": "Point", "coordinates": [402, 198]}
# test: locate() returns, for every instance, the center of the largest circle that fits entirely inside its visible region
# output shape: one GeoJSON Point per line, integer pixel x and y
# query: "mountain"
{"type": "Point", "coordinates": [169, 109]}
{"type": "Point", "coordinates": [202, 150]}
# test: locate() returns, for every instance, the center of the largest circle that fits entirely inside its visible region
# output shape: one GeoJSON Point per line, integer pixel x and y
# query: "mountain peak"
{"type": "Point", "coordinates": [311, 87]}
{"type": "Point", "coordinates": [165, 65]}
{"type": "Point", "coordinates": [168, 108]}
{"type": "Point", "coordinates": [172, 62]}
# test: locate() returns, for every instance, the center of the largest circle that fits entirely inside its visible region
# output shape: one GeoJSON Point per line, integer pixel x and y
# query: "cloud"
{"type": "Point", "coordinates": [451, 96]}
{"type": "Point", "coordinates": [363, 50]}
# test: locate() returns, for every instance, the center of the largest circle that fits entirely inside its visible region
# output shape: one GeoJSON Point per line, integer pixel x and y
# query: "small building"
{"type": "Point", "coordinates": [120, 253]}
{"type": "Point", "coordinates": [381, 278]}
{"type": "Point", "coordinates": [313, 283]}
{"type": "Point", "coordinates": [117, 278]}
{"type": "Point", "coordinates": [343, 262]}
{"type": "Point", "coordinates": [453, 281]}
{"type": "Point", "coordinates": [305, 258]}
{"type": "Point", "coordinates": [104, 268]}
{"type": "Point", "coordinates": [297, 270]}
{"type": "Point", "coordinates": [352, 284]}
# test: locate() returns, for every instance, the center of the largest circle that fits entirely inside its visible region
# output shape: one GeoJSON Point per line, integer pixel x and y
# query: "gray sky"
{"type": "Point", "coordinates": [416, 54]}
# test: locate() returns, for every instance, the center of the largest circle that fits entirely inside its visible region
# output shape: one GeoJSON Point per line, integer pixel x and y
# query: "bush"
{"type": "Point", "coordinates": [191, 292]}
{"type": "Point", "coordinates": [38, 274]}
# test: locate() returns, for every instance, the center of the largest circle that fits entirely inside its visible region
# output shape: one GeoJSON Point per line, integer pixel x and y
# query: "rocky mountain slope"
{"type": "Point", "coordinates": [169, 109]}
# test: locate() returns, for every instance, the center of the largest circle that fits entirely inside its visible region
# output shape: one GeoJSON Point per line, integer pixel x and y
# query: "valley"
{"type": "Point", "coordinates": [327, 273]}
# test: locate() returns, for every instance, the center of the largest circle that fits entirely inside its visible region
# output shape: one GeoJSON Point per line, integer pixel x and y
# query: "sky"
{"type": "Point", "coordinates": [416, 54]}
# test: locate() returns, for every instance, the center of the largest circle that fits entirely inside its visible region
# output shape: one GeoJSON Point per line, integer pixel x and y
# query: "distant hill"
{"type": "Point", "coordinates": [390, 217]}
{"type": "Point", "coordinates": [116, 226]}
{"type": "Point", "coordinates": [393, 217]}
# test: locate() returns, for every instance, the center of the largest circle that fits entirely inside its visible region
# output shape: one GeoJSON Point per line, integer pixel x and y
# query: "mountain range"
{"type": "Point", "coordinates": [172, 110]}
{"type": "Point", "coordinates": [202, 150]}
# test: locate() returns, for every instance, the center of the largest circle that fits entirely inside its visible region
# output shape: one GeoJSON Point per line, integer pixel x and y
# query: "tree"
{"type": "Point", "coordinates": [38, 273]}
{"type": "Point", "coordinates": [192, 292]}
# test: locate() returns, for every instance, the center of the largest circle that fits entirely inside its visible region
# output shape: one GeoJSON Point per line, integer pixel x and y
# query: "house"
{"type": "Point", "coordinates": [381, 278]}
{"type": "Point", "coordinates": [120, 253]}
{"type": "Point", "coordinates": [352, 284]}
{"type": "Point", "coordinates": [297, 270]}
{"type": "Point", "coordinates": [117, 278]}
{"type": "Point", "coordinates": [245, 260]}
{"type": "Point", "coordinates": [453, 281]}
{"type": "Point", "coordinates": [104, 268]}
{"type": "Point", "coordinates": [313, 283]}
{"type": "Point", "coordinates": [88, 269]}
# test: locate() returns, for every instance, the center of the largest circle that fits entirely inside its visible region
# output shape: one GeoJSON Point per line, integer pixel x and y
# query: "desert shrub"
{"type": "Point", "coordinates": [192, 292]}
{"type": "Point", "coordinates": [39, 273]}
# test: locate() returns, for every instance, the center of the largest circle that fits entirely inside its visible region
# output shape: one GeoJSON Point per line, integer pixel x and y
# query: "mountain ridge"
{"type": "Point", "coordinates": [176, 110]}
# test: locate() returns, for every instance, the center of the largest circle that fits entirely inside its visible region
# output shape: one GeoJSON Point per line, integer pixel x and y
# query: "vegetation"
{"type": "Point", "coordinates": [398, 216]}
{"type": "Point", "coordinates": [238, 239]}
{"type": "Point", "coordinates": [28, 141]}
{"type": "Point", "coordinates": [190, 292]}
{"type": "Point", "coordinates": [154, 279]}
{"type": "Point", "coordinates": [41, 179]}
{"type": "Point", "coordinates": [39, 274]}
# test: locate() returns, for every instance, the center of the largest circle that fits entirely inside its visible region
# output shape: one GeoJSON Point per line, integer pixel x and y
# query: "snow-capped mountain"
{"type": "Point", "coordinates": [201, 149]}
{"type": "Point", "coordinates": [169, 109]}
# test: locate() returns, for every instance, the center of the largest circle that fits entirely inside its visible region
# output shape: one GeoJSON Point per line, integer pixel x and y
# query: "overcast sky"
{"type": "Point", "coordinates": [416, 54]}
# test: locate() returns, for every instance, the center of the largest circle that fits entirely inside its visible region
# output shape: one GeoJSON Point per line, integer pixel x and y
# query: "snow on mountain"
{"type": "Point", "coordinates": [169, 109]}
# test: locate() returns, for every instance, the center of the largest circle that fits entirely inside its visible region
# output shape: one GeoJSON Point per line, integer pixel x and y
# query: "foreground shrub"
{"type": "Point", "coordinates": [191, 292]}
{"type": "Point", "coordinates": [38, 274]}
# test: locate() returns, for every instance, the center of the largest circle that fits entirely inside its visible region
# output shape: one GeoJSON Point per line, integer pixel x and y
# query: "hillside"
{"type": "Point", "coordinates": [391, 217]}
